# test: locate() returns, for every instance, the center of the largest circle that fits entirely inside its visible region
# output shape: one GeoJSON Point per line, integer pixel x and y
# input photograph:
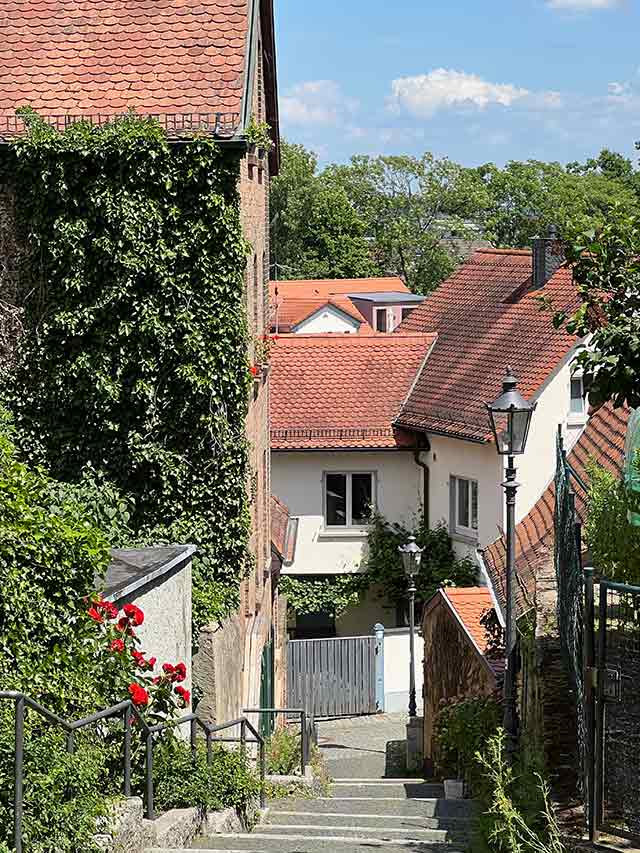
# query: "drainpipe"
{"type": "Point", "coordinates": [425, 480]}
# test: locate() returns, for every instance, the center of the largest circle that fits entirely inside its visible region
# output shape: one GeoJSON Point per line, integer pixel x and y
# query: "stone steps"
{"type": "Point", "coordinates": [259, 842]}
{"type": "Point", "coordinates": [396, 806]}
{"type": "Point", "coordinates": [404, 823]}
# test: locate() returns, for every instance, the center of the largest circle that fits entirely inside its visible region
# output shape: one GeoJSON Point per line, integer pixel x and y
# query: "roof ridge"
{"type": "Point", "coordinates": [495, 251]}
{"type": "Point", "coordinates": [349, 337]}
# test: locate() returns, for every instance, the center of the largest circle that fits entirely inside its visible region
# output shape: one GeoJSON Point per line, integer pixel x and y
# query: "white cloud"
{"type": "Point", "coordinates": [316, 102]}
{"type": "Point", "coordinates": [425, 94]}
{"type": "Point", "coordinates": [582, 5]}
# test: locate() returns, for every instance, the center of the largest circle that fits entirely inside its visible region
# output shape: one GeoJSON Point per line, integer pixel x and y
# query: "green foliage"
{"type": "Point", "coordinates": [415, 210]}
{"type": "Point", "coordinates": [439, 565]}
{"type": "Point", "coordinates": [316, 231]}
{"type": "Point", "coordinates": [524, 199]}
{"type": "Point", "coordinates": [259, 133]}
{"type": "Point", "coordinates": [331, 593]}
{"type": "Point", "coordinates": [63, 793]}
{"type": "Point", "coordinates": [606, 268]}
{"type": "Point", "coordinates": [614, 544]}
{"type": "Point", "coordinates": [462, 728]}
{"type": "Point", "coordinates": [133, 361]}
{"type": "Point", "coordinates": [228, 782]}
{"type": "Point", "coordinates": [283, 752]}
{"type": "Point", "coordinates": [518, 815]}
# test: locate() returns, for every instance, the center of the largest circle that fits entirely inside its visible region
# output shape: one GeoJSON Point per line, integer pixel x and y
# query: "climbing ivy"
{"type": "Point", "coordinates": [382, 569]}
{"type": "Point", "coordinates": [133, 359]}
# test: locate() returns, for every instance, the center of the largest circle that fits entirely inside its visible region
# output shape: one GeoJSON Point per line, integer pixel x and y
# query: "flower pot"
{"type": "Point", "coordinates": [453, 789]}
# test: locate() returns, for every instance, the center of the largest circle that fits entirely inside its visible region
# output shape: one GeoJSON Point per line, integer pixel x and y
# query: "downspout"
{"type": "Point", "coordinates": [426, 475]}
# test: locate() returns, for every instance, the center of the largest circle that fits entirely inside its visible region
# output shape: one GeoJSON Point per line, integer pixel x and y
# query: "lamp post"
{"type": "Point", "coordinates": [510, 416]}
{"type": "Point", "coordinates": [411, 556]}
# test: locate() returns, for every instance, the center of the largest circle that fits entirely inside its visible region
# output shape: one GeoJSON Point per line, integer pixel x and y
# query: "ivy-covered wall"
{"type": "Point", "coordinates": [133, 358]}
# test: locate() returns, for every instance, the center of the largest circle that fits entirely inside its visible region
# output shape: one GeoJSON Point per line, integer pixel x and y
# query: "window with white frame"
{"type": "Point", "coordinates": [381, 320]}
{"type": "Point", "coordinates": [464, 506]}
{"type": "Point", "coordinates": [348, 498]}
{"type": "Point", "coordinates": [578, 403]}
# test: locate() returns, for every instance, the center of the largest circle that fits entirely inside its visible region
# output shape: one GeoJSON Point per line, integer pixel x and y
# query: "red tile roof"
{"type": "Point", "coordinates": [487, 318]}
{"type": "Point", "coordinates": [324, 287]}
{"type": "Point", "coordinates": [602, 440]}
{"type": "Point", "coordinates": [104, 57]}
{"type": "Point", "coordinates": [288, 313]}
{"type": "Point", "coordinates": [342, 391]}
{"type": "Point", "coordinates": [470, 605]}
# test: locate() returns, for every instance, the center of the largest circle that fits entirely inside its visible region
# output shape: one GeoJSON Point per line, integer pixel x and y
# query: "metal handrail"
{"type": "Point", "coordinates": [307, 726]}
{"type": "Point", "coordinates": [127, 710]}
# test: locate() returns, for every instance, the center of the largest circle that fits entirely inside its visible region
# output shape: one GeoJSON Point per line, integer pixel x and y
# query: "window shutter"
{"type": "Point", "coordinates": [452, 504]}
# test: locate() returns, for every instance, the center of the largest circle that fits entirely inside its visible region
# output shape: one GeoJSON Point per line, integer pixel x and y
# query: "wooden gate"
{"type": "Point", "coordinates": [333, 677]}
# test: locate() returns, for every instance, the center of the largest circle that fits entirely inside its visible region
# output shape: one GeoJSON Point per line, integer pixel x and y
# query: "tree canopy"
{"type": "Point", "coordinates": [417, 217]}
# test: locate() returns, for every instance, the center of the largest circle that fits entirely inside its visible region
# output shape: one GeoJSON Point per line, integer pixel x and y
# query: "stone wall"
{"type": "Point", "coordinates": [452, 667]}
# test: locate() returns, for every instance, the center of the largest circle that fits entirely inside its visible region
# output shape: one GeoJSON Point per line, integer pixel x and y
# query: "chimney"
{"type": "Point", "coordinates": [548, 256]}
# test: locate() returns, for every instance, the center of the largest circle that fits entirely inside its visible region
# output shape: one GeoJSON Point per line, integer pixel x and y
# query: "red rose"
{"type": "Point", "coordinates": [168, 668]}
{"type": "Point", "coordinates": [254, 370]}
{"type": "Point", "coordinates": [185, 695]}
{"type": "Point", "coordinates": [117, 645]}
{"type": "Point", "coordinates": [97, 617]}
{"type": "Point", "coordinates": [151, 662]}
{"type": "Point", "coordinates": [138, 657]}
{"type": "Point", "coordinates": [111, 611]}
{"type": "Point", "coordinates": [156, 680]}
{"type": "Point", "coordinates": [139, 695]}
{"type": "Point", "coordinates": [133, 613]}
{"type": "Point", "coordinates": [180, 672]}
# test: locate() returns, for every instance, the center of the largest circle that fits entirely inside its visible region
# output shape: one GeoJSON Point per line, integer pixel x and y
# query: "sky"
{"type": "Point", "coordinates": [474, 80]}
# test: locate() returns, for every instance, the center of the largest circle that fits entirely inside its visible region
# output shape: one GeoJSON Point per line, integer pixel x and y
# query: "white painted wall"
{"type": "Point", "coordinates": [297, 479]}
{"type": "Point", "coordinates": [449, 456]}
{"type": "Point", "coordinates": [536, 467]}
{"type": "Point", "coordinates": [396, 669]}
{"type": "Point", "coordinates": [327, 319]}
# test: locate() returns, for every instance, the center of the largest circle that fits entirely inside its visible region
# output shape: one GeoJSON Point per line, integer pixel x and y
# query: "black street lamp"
{"type": "Point", "coordinates": [411, 556]}
{"type": "Point", "coordinates": [510, 417]}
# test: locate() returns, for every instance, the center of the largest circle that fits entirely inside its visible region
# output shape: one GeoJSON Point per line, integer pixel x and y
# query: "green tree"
{"type": "Point", "coordinates": [525, 198]}
{"type": "Point", "coordinates": [417, 212]}
{"type": "Point", "coordinates": [316, 229]}
{"type": "Point", "coordinates": [606, 269]}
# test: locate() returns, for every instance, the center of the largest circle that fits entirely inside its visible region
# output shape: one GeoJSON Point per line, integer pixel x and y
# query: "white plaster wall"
{"type": "Point", "coordinates": [536, 467]}
{"type": "Point", "coordinates": [396, 669]}
{"type": "Point", "coordinates": [328, 319]}
{"type": "Point", "coordinates": [166, 630]}
{"type": "Point", "coordinates": [449, 456]}
{"type": "Point", "coordinates": [297, 479]}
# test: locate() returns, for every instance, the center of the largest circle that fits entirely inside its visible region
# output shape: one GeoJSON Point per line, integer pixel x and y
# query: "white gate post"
{"type": "Point", "coordinates": [378, 630]}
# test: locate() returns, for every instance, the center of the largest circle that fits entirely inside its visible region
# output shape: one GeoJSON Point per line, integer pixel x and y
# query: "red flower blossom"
{"type": "Point", "coordinates": [254, 370]}
{"type": "Point", "coordinates": [139, 695]}
{"type": "Point", "coordinates": [180, 671]}
{"type": "Point", "coordinates": [134, 614]}
{"type": "Point", "coordinates": [117, 645]}
{"type": "Point", "coordinates": [97, 617]}
{"type": "Point", "coordinates": [184, 694]}
{"type": "Point", "coordinates": [157, 679]}
{"type": "Point", "coordinates": [168, 668]}
{"type": "Point", "coordinates": [151, 662]}
{"type": "Point", "coordinates": [110, 610]}
{"type": "Point", "coordinates": [138, 657]}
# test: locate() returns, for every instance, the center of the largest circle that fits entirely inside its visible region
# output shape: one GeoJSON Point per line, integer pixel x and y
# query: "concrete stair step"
{"type": "Point", "coordinates": [371, 822]}
{"type": "Point", "coordinates": [397, 806]}
{"type": "Point", "coordinates": [407, 790]}
{"type": "Point", "coordinates": [258, 842]}
{"type": "Point", "coordinates": [382, 833]}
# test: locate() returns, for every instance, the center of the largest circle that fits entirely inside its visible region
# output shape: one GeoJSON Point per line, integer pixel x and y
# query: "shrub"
{"type": "Point", "coordinates": [283, 752]}
{"type": "Point", "coordinates": [462, 728]}
{"type": "Point", "coordinates": [518, 816]}
{"type": "Point", "coordinates": [228, 783]}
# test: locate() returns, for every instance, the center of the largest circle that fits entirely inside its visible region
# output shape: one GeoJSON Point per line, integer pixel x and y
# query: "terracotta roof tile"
{"type": "Point", "coordinates": [602, 440]}
{"type": "Point", "coordinates": [486, 317]}
{"type": "Point", "coordinates": [470, 605]}
{"type": "Point", "coordinates": [342, 391]}
{"type": "Point", "coordinates": [323, 287]}
{"type": "Point", "coordinates": [153, 56]}
{"type": "Point", "coordinates": [288, 313]}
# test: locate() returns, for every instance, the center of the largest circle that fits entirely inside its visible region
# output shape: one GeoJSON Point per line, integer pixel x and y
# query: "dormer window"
{"type": "Point", "coordinates": [381, 320]}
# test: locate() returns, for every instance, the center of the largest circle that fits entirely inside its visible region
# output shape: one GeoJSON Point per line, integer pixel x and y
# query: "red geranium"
{"type": "Point", "coordinates": [117, 645]}
{"type": "Point", "coordinates": [134, 614]}
{"type": "Point", "coordinates": [97, 617]}
{"type": "Point", "coordinates": [184, 694]}
{"type": "Point", "coordinates": [180, 672]}
{"type": "Point", "coordinates": [139, 695]}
